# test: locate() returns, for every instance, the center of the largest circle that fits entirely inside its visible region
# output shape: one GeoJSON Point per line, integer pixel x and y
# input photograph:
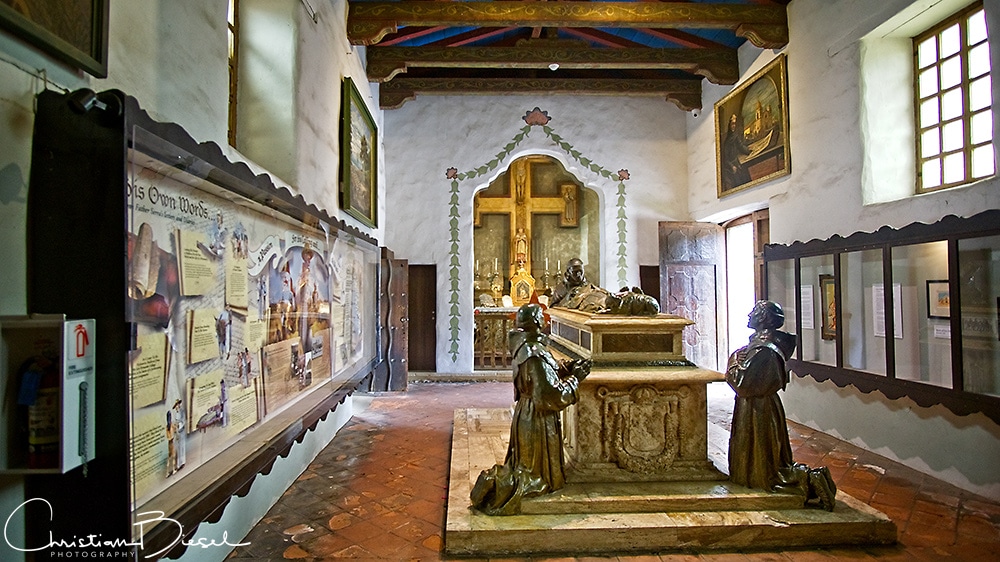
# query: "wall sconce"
{"type": "Point", "coordinates": [554, 66]}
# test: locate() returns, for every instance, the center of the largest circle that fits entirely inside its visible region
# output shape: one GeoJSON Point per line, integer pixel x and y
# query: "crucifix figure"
{"type": "Point", "coordinates": [520, 205]}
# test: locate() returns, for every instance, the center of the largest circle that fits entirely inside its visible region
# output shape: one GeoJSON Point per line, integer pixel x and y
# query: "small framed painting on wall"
{"type": "Point", "coordinates": [358, 157]}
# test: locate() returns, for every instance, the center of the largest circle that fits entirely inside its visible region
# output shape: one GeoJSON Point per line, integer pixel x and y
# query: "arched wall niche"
{"type": "Point", "coordinates": [554, 237]}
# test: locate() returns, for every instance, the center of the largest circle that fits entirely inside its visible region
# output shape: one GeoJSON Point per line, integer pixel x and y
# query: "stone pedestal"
{"type": "Point", "coordinates": [642, 414]}
{"type": "Point", "coordinates": [640, 425]}
{"type": "Point", "coordinates": [637, 451]}
{"type": "Point", "coordinates": [635, 517]}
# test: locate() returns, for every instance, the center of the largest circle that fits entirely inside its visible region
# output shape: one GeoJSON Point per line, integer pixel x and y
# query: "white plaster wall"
{"type": "Point", "coordinates": [962, 450]}
{"type": "Point", "coordinates": [428, 135]}
{"type": "Point", "coordinates": [823, 196]}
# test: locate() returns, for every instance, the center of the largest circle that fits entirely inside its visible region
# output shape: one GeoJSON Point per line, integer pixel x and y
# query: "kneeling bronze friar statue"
{"type": "Point", "coordinates": [543, 386]}
{"type": "Point", "coordinates": [760, 454]}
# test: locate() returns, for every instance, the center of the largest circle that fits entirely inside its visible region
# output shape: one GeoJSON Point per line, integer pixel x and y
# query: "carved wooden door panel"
{"type": "Point", "coordinates": [693, 285]}
{"type": "Point", "coordinates": [392, 372]}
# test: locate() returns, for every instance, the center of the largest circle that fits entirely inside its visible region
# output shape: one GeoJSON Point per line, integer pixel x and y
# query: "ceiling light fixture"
{"type": "Point", "coordinates": [554, 66]}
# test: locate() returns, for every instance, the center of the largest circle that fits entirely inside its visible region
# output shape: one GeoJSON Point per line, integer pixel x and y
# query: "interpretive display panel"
{"type": "Point", "coordinates": [238, 311]}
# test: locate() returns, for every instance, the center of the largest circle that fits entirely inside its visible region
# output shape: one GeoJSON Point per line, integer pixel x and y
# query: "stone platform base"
{"type": "Point", "coordinates": [629, 518]}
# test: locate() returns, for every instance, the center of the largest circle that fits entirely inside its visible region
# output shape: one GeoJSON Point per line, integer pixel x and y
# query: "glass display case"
{"type": "Point", "coordinates": [935, 288]}
{"type": "Point", "coordinates": [863, 303]}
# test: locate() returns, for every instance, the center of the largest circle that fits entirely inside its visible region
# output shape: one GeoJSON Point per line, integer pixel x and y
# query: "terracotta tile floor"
{"type": "Point", "coordinates": [378, 491]}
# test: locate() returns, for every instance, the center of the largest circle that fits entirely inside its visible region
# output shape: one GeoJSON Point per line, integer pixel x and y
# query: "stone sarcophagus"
{"type": "Point", "coordinates": [642, 414]}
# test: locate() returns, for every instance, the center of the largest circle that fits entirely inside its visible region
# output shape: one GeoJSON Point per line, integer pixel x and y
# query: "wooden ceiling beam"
{"type": "Point", "coordinates": [766, 26]}
{"type": "Point", "coordinates": [463, 39]}
{"type": "Point", "coordinates": [410, 34]}
{"type": "Point", "coordinates": [600, 37]}
{"type": "Point", "coordinates": [686, 94]}
{"type": "Point", "coordinates": [720, 66]}
{"type": "Point", "coordinates": [682, 38]}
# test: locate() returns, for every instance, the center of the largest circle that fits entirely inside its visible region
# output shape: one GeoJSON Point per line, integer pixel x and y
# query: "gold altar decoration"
{"type": "Point", "coordinates": [522, 286]}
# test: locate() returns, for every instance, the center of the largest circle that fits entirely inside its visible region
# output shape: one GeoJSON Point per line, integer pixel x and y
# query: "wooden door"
{"type": "Point", "coordinates": [391, 372]}
{"type": "Point", "coordinates": [693, 285]}
{"type": "Point", "coordinates": [423, 317]}
{"type": "Point", "coordinates": [649, 280]}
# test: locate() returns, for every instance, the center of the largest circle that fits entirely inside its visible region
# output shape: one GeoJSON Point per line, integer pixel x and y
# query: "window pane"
{"type": "Point", "coordinates": [923, 349]}
{"type": "Point", "coordinates": [930, 174]}
{"type": "Point", "coordinates": [819, 320]}
{"type": "Point", "coordinates": [951, 72]}
{"type": "Point", "coordinates": [929, 112]}
{"type": "Point", "coordinates": [983, 161]}
{"type": "Point", "coordinates": [950, 43]}
{"type": "Point", "coordinates": [977, 27]}
{"type": "Point", "coordinates": [781, 289]}
{"type": "Point", "coordinates": [951, 104]}
{"type": "Point", "coordinates": [863, 316]}
{"type": "Point", "coordinates": [928, 82]}
{"type": "Point", "coordinates": [979, 60]}
{"type": "Point", "coordinates": [930, 143]}
{"type": "Point", "coordinates": [954, 167]}
{"type": "Point", "coordinates": [979, 268]}
{"type": "Point", "coordinates": [953, 134]}
{"type": "Point", "coordinates": [982, 127]}
{"type": "Point", "coordinates": [927, 52]}
{"type": "Point", "coordinates": [979, 94]}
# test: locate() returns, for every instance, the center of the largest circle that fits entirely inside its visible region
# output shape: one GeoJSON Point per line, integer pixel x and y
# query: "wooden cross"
{"type": "Point", "coordinates": [520, 205]}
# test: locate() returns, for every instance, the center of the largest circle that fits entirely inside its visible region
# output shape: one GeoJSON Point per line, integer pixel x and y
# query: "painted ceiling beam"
{"type": "Point", "coordinates": [463, 39]}
{"type": "Point", "coordinates": [600, 37]}
{"type": "Point", "coordinates": [765, 26]}
{"type": "Point", "coordinates": [410, 34]}
{"type": "Point", "coordinates": [682, 39]}
{"type": "Point", "coordinates": [686, 94]}
{"type": "Point", "coordinates": [720, 66]}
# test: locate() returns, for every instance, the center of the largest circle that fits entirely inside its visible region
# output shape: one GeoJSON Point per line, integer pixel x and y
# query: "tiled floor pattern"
{"type": "Point", "coordinates": [378, 492]}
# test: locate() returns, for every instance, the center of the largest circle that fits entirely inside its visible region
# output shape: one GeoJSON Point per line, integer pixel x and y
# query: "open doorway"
{"type": "Point", "coordinates": [745, 241]}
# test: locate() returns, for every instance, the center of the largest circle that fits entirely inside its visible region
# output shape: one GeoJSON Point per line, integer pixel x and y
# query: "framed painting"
{"type": "Point", "coordinates": [72, 31]}
{"type": "Point", "coordinates": [828, 306]}
{"type": "Point", "coordinates": [358, 156]}
{"type": "Point", "coordinates": [938, 299]}
{"type": "Point", "coordinates": [751, 131]}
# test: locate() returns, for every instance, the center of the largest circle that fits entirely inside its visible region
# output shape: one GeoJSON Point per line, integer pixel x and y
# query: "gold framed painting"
{"type": "Point", "coordinates": [828, 306]}
{"type": "Point", "coordinates": [72, 31]}
{"type": "Point", "coordinates": [751, 131]}
{"type": "Point", "coordinates": [358, 157]}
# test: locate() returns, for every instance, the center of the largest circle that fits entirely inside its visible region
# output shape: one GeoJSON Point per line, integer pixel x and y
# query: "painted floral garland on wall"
{"type": "Point", "coordinates": [533, 118]}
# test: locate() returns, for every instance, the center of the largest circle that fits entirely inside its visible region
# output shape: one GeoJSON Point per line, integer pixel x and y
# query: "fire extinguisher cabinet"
{"type": "Point", "coordinates": [47, 371]}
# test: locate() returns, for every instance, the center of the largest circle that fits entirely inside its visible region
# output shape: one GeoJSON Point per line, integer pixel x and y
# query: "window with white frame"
{"type": "Point", "coordinates": [954, 115]}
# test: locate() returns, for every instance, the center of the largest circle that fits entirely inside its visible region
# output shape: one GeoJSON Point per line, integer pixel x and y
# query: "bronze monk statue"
{"type": "Point", "coordinates": [542, 388]}
{"type": "Point", "coordinates": [760, 455]}
{"type": "Point", "coordinates": [577, 293]}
